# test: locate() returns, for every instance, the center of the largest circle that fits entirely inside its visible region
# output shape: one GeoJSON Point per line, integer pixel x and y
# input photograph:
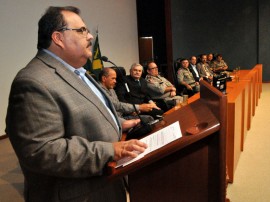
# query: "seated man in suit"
{"type": "Point", "coordinates": [139, 91]}
{"type": "Point", "coordinates": [186, 79]}
{"type": "Point", "coordinates": [162, 89]}
{"type": "Point", "coordinates": [204, 69]}
{"type": "Point", "coordinates": [107, 79]}
{"type": "Point", "coordinates": [193, 68]}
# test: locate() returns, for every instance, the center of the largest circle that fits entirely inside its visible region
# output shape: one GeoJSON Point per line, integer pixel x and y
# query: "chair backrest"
{"type": "Point", "coordinates": [120, 73]}
{"type": "Point", "coordinates": [120, 81]}
{"type": "Point", "coordinates": [176, 66]}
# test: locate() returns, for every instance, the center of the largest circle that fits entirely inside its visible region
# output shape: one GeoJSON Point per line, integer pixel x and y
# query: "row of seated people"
{"type": "Point", "coordinates": [216, 62]}
{"type": "Point", "coordinates": [154, 94]}
{"type": "Point", "coordinates": [151, 96]}
{"type": "Point", "coordinates": [191, 71]}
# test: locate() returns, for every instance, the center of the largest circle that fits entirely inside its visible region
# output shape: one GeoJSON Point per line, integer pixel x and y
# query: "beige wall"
{"type": "Point", "coordinates": [116, 21]}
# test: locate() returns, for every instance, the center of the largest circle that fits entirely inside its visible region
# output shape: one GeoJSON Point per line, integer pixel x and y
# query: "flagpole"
{"type": "Point", "coordinates": [97, 63]}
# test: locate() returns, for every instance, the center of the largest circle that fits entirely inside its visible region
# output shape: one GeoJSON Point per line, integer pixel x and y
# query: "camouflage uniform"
{"type": "Point", "coordinates": [158, 85]}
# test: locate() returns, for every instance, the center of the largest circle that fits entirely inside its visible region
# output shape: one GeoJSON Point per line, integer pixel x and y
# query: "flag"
{"type": "Point", "coordinates": [97, 64]}
{"type": "Point", "coordinates": [88, 66]}
{"type": "Point", "coordinates": [94, 67]}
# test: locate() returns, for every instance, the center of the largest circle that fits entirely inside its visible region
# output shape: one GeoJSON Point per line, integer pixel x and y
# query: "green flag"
{"type": "Point", "coordinates": [88, 66]}
{"type": "Point", "coordinates": [96, 65]}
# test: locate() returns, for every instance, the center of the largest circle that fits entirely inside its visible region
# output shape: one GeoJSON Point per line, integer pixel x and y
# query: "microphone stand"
{"type": "Point", "coordinates": [140, 129]}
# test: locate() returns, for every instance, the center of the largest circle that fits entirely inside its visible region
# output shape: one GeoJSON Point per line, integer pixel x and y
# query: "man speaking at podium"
{"type": "Point", "coordinates": [62, 126]}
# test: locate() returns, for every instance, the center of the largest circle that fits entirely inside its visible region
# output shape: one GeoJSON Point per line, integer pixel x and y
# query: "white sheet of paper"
{"type": "Point", "coordinates": [155, 141]}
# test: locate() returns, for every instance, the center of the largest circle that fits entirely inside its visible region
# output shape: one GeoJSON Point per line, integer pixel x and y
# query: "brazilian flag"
{"type": "Point", "coordinates": [94, 67]}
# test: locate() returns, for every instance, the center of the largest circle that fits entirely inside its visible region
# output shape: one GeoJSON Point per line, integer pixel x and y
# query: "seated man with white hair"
{"type": "Point", "coordinates": [107, 80]}
{"type": "Point", "coordinates": [139, 91]}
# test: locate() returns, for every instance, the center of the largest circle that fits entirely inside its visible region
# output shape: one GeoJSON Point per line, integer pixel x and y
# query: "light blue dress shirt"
{"type": "Point", "coordinates": [81, 73]}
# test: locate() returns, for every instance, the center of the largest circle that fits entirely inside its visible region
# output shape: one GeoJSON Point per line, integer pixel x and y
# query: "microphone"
{"type": "Point", "coordinates": [142, 128]}
{"type": "Point", "coordinates": [105, 59]}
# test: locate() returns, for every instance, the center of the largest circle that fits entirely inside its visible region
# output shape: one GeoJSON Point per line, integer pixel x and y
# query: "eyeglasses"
{"type": "Point", "coordinates": [153, 68]}
{"type": "Point", "coordinates": [83, 30]}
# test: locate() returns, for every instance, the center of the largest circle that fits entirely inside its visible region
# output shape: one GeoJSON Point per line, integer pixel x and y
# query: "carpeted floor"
{"type": "Point", "coordinates": [251, 179]}
{"type": "Point", "coordinates": [252, 175]}
{"type": "Point", "coordinates": [11, 179]}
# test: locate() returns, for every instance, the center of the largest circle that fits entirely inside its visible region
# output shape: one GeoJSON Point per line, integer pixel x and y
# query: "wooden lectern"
{"type": "Point", "coordinates": [192, 168]}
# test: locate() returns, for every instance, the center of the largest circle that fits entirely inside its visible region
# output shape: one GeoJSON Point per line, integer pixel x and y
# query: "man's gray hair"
{"type": "Point", "coordinates": [136, 65]}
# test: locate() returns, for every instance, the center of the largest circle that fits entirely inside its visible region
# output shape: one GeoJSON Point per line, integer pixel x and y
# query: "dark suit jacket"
{"type": "Point", "coordinates": [62, 134]}
{"type": "Point", "coordinates": [138, 93]}
{"type": "Point", "coordinates": [197, 78]}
